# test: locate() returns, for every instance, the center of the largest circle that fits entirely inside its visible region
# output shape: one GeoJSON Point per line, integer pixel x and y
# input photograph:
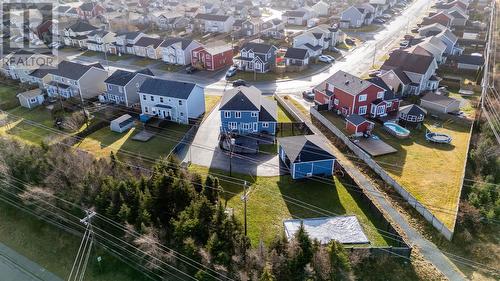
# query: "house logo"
{"type": "Point", "coordinates": [26, 34]}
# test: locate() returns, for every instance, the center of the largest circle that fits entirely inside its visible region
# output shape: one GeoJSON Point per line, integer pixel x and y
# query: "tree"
{"type": "Point", "coordinates": [267, 275]}
{"type": "Point", "coordinates": [339, 261]}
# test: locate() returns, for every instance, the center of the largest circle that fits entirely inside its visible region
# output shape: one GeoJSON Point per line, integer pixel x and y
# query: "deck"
{"type": "Point", "coordinates": [374, 147]}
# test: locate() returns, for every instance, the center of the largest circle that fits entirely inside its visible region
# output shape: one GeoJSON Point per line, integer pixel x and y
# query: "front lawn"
{"type": "Point", "coordinates": [270, 203]}
{"type": "Point", "coordinates": [8, 99]}
{"type": "Point", "coordinates": [171, 67]}
{"type": "Point", "coordinates": [430, 172]}
{"type": "Point", "coordinates": [145, 62]}
{"type": "Point", "coordinates": [55, 249]}
{"type": "Point", "coordinates": [271, 76]}
{"type": "Point", "coordinates": [105, 141]}
{"type": "Point", "coordinates": [364, 28]}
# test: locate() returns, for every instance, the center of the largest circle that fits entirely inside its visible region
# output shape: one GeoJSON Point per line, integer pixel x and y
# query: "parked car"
{"type": "Point", "coordinates": [191, 69]}
{"type": "Point", "coordinates": [308, 95]}
{"type": "Point", "coordinates": [330, 57]}
{"type": "Point", "coordinates": [374, 73]}
{"type": "Point", "coordinates": [415, 30]}
{"type": "Point", "coordinates": [231, 71]}
{"type": "Point", "coordinates": [349, 41]}
{"type": "Point", "coordinates": [335, 50]}
{"type": "Point", "coordinates": [378, 21]}
{"type": "Point", "coordinates": [386, 16]}
{"type": "Point", "coordinates": [239, 82]}
{"type": "Point", "coordinates": [404, 44]}
{"type": "Point", "coordinates": [324, 58]}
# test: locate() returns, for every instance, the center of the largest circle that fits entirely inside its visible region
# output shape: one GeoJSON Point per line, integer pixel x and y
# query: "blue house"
{"type": "Point", "coordinates": [244, 111]}
{"type": "Point", "coordinates": [306, 156]}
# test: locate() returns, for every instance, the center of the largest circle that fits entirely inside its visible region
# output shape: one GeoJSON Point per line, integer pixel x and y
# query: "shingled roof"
{"type": "Point", "coordinates": [167, 88]}
{"type": "Point", "coordinates": [408, 62]}
{"type": "Point", "coordinates": [305, 148]}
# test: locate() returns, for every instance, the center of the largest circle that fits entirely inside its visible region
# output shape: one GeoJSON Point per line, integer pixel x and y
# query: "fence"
{"type": "Point", "coordinates": [436, 223]}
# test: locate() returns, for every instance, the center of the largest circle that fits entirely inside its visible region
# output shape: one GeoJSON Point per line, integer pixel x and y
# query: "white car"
{"type": "Point", "coordinates": [330, 57]}
{"type": "Point", "coordinates": [324, 58]}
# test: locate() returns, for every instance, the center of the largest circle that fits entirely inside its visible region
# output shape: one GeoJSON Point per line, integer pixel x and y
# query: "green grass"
{"type": "Point", "coordinates": [23, 131]}
{"type": "Point", "coordinates": [119, 58]}
{"type": "Point", "coordinates": [430, 172]}
{"type": "Point", "coordinates": [55, 249]}
{"type": "Point", "coordinates": [211, 102]}
{"type": "Point", "coordinates": [364, 28]}
{"type": "Point", "coordinates": [105, 141]}
{"type": "Point", "coordinates": [267, 206]}
{"type": "Point", "coordinates": [283, 115]}
{"type": "Point", "coordinates": [297, 105]}
{"type": "Point", "coordinates": [8, 97]}
{"type": "Point", "coordinates": [268, 148]}
{"type": "Point", "coordinates": [91, 53]}
{"type": "Point", "coordinates": [144, 62]}
{"type": "Point", "coordinates": [171, 67]}
{"type": "Point", "coordinates": [343, 45]}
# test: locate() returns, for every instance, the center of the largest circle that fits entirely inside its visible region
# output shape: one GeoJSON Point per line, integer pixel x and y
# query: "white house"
{"type": "Point", "coordinates": [215, 23]}
{"type": "Point", "coordinates": [100, 40]}
{"type": "Point", "coordinates": [125, 42]}
{"type": "Point", "coordinates": [72, 79]}
{"type": "Point", "coordinates": [76, 34]}
{"type": "Point", "coordinates": [148, 47]}
{"type": "Point", "coordinates": [321, 9]}
{"type": "Point", "coordinates": [178, 50]}
{"type": "Point", "coordinates": [172, 100]}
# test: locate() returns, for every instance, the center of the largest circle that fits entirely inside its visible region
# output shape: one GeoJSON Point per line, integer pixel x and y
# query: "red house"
{"type": "Point", "coordinates": [441, 18]}
{"type": "Point", "coordinates": [90, 10]}
{"type": "Point", "coordinates": [212, 57]}
{"type": "Point", "coordinates": [348, 94]}
{"type": "Point", "coordinates": [358, 125]}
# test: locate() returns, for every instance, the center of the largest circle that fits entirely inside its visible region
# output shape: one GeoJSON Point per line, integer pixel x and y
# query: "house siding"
{"type": "Point", "coordinates": [316, 168]}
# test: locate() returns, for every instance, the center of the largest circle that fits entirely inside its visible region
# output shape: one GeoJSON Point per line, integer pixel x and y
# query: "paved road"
{"type": "Point", "coordinates": [15, 267]}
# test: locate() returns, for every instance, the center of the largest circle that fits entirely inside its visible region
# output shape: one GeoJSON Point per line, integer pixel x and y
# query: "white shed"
{"type": "Point", "coordinates": [122, 123]}
{"type": "Point", "coordinates": [31, 99]}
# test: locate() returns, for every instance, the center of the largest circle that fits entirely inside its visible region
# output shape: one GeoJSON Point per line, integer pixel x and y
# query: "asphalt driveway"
{"type": "Point", "coordinates": [205, 151]}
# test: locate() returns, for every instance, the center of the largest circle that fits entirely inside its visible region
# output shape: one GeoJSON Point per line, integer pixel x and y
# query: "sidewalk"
{"type": "Point", "coordinates": [15, 267]}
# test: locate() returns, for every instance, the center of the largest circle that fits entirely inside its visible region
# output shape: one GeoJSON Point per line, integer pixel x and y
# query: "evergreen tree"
{"type": "Point", "coordinates": [267, 275]}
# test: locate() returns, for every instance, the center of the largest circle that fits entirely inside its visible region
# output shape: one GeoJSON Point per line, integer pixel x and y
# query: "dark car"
{"type": "Point", "coordinates": [308, 95]}
{"type": "Point", "coordinates": [349, 41]}
{"type": "Point", "coordinates": [239, 82]}
{"type": "Point", "coordinates": [191, 69]}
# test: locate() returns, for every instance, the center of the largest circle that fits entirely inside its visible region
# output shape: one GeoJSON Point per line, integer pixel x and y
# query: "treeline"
{"type": "Point", "coordinates": [172, 207]}
{"type": "Point", "coordinates": [481, 206]}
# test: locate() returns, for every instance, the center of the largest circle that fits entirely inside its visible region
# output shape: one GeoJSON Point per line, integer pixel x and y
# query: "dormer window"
{"type": "Point", "coordinates": [380, 95]}
{"type": "Point", "coordinates": [250, 54]}
{"type": "Point", "coordinates": [243, 54]}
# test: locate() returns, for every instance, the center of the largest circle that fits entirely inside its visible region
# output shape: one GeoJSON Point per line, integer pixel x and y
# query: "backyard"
{"type": "Point", "coordinates": [430, 172]}
{"type": "Point", "coordinates": [8, 97]}
{"type": "Point", "coordinates": [105, 141]}
{"type": "Point", "coordinates": [271, 201]}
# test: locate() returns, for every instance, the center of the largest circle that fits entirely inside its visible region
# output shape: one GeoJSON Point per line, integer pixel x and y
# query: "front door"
{"type": "Point", "coordinates": [255, 127]}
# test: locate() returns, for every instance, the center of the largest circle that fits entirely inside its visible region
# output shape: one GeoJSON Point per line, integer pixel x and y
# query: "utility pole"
{"type": "Point", "coordinates": [83, 110]}
{"type": "Point", "coordinates": [245, 198]}
{"type": "Point", "coordinates": [82, 257]}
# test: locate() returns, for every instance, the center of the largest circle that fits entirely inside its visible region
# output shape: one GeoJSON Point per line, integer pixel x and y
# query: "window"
{"type": "Point", "coordinates": [250, 55]}
{"type": "Point", "coordinates": [336, 101]}
{"type": "Point", "coordinates": [412, 118]}
{"type": "Point", "coordinates": [109, 87]}
{"type": "Point", "coordinates": [237, 114]}
{"type": "Point", "coordinates": [182, 113]}
{"type": "Point", "coordinates": [227, 114]}
{"type": "Point", "coordinates": [389, 103]}
{"type": "Point", "coordinates": [362, 98]}
{"type": "Point", "coordinates": [146, 109]}
{"type": "Point", "coordinates": [255, 114]}
{"type": "Point", "coordinates": [152, 98]}
{"type": "Point", "coordinates": [32, 100]}
{"type": "Point", "coordinates": [120, 89]}
{"type": "Point", "coordinates": [180, 102]}
{"type": "Point", "coordinates": [233, 126]}
{"type": "Point", "coordinates": [380, 95]}
{"type": "Point", "coordinates": [161, 99]}
{"type": "Point", "coordinates": [144, 97]}
{"type": "Point", "coordinates": [362, 110]}
{"type": "Point", "coordinates": [265, 124]}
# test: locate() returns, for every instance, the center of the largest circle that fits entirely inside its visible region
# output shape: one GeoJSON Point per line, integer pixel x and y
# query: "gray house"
{"type": "Point", "coordinates": [31, 99]}
{"type": "Point", "coordinates": [256, 57]}
{"type": "Point", "coordinates": [122, 86]}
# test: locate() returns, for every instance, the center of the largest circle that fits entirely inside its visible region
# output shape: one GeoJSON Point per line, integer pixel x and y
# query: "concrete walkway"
{"type": "Point", "coordinates": [15, 267]}
{"type": "Point", "coordinates": [428, 250]}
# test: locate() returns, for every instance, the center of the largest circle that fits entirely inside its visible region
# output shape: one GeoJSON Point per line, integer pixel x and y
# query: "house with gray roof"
{"type": "Point", "coordinates": [122, 86]}
{"type": "Point", "coordinates": [125, 41]}
{"type": "Point", "coordinates": [214, 23]}
{"type": "Point", "coordinates": [71, 79]}
{"type": "Point", "coordinates": [148, 47]}
{"type": "Point", "coordinates": [172, 100]}
{"type": "Point", "coordinates": [178, 50]}
{"type": "Point", "coordinates": [77, 34]}
{"type": "Point", "coordinates": [243, 110]}
{"type": "Point", "coordinates": [256, 57]}
{"type": "Point", "coordinates": [295, 17]}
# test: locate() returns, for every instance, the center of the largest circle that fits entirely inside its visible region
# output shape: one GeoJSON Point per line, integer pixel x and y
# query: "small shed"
{"type": "Point", "coordinates": [31, 99]}
{"type": "Point", "coordinates": [122, 123]}
{"type": "Point", "coordinates": [358, 125]}
{"type": "Point", "coordinates": [440, 103]}
{"type": "Point", "coordinates": [306, 156]}
{"type": "Point", "coordinates": [411, 115]}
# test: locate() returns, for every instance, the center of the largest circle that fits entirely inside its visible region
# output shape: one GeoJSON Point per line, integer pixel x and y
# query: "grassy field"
{"type": "Point", "coordinates": [297, 105]}
{"type": "Point", "coordinates": [144, 62]}
{"type": "Point", "coordinates": [267, 206]}
{"type": "Point", "coordinates": [105, 141]}
{"type": "Point", "coordinates": [55, 249]}
{"type": "Point", "coordinates": [271, 76]}
{"type": "Point", "coordinates": [8, 97]}
{"type": "Point", "coordinates": [171, 67]}
{"type": "Point", "coordinates": [430, 172]}
{"type": "Point", "coordinates": [27, 132]}
{"type": "Point", "coordinates": [210, 102]}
